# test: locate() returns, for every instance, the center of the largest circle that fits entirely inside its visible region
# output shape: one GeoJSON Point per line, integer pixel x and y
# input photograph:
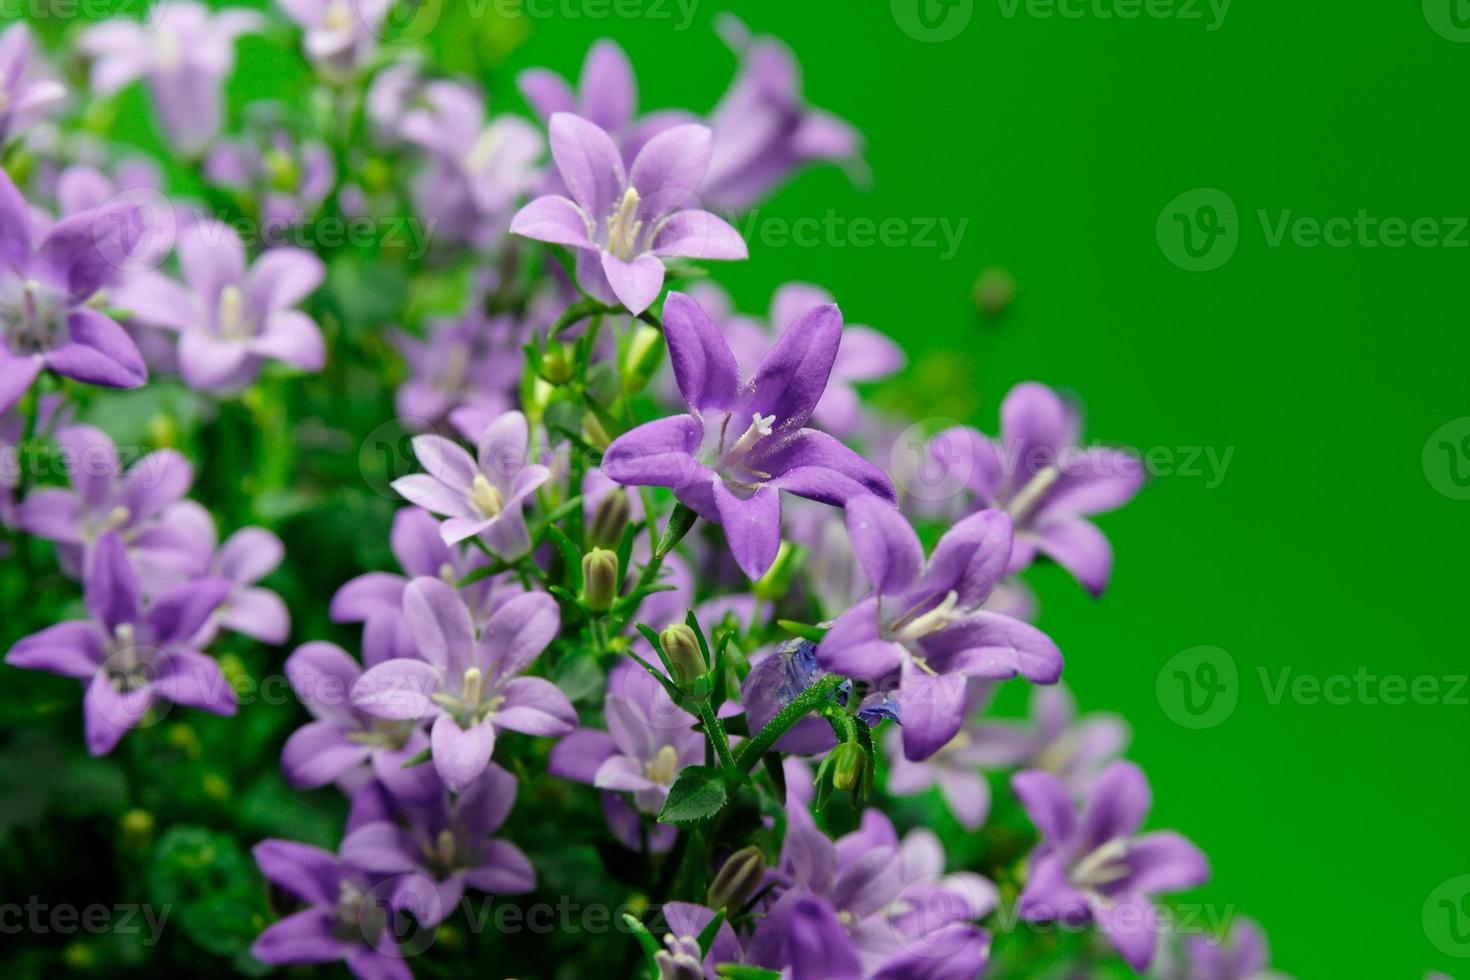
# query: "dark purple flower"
{"type": "Point", "coordinates": [130, 656]}
{"type": "Point", "coordinates": [1037, 473]}
{"type": "Point", "coordinates": [469, 681]}
{"type": "Point", "coordinates": [777, 677]}
{"type": "Point", "coordinates": [445, 847]}
{"type": "Point", "coordinates": [745, 441]}
{"type": "Point", "coordinates": [763, 129]}
{"type": "Point", "coordinates": [624, 223]}
{"type": "Point", "coordinates": [1095, 866]}
{"type": "Point", "coordinates": [49, 277]}
{"type": "Point", "coordinates": [27, 93]}
{"type": "Point", "coordinates": [231, 316]}
{"type": "Point", "coordinates": [347, 915]}
{"type": "Point", "coordinates": [927, 624]}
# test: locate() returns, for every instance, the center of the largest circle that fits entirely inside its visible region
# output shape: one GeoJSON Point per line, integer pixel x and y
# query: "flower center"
{"type": "Point", "coordinates": [486, 497]}
{"type": "Point", "coordinates": [483, 151]}
{"type": "Point", "coordinates": [126, 671]}
{"type": "Point", "coordinates": [1032, 493]}
{"type": "Point", "coordinates": [33, 318]}
{"type": "Point", "coordinates": [913, 626]}
{"type": "Point", "coordinates": [470, 705]}
{"type": "Point", "coordinates": [447, 574]}
{"type": "Point", "coordinates": [664, 767]}
{"type": "Point", "coordinates": [355, 918]}
{"type": "Point", "coordinates": [623, 226]}
{"type": "Point", "coordinates": [731, 458]}
{"type": "Point", "coordinates": [338, 16]}
{"type": "Point", "coordinates": [1101, 866]}
{"type": "Point", "coordinates": [168, 50]}
{"type": "Point", "coordinates": [231, 313]}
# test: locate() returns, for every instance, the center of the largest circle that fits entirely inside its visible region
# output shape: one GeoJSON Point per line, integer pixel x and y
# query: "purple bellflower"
{"type": "Point", "coordinates": [1054, 739]}
{"type": "Point", "coordinates": [955, 768]}
{"type": "Point", "coordinates": [1095, 866]}
{"type": "Point", "coordinates": [344, 918]}
{"type": "Point", "coordinates": [469, 684]}
{"type": "Point", "coordinates": [467, 361]}
{"type": "Point", "coordinates": [623, 223]}
{"type": "Point", "coordinates": [446, 847]}
{"type": "Point", "coordinates": [27, 93]}
{"type": "Point", "coordinates": [483, 495]}
{"type": "Point", "coordinates": [1242, 955]}
{"type": "Point", "coordinates": [1036, 473]}
{"type": "Point", "coordinates": [745, 441]}
{"type": "Point", "coordinates": [184, 51]}
{"type": "Point", "coordinates": [49, 279]}
{"type": "Point", "coordinates": [340, 35]}
{"type": "Point", "coordinates": [290, 179]}
{"type": "Point", "coordinates": [232, 317]}
{"type": "Point", "coordinates": [776, 678]}
{"type": "Point", "coordinates": [926, 624]}
{"type": "Point", "coordinates": [246, 557]}
{"type": "Point", "coordinates": [131, 657]}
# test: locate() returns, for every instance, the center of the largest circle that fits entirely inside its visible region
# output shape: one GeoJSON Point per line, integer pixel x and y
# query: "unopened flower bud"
{"type": "Point", "coordinates": [593, 432]}
{"type": "Point", "coordinates": [136, 826]}
{"type": "Point", "coordinates": [848, 762]}
{"type": "Point", "coordinates": [599, 579]}
{"type": "Point", "coordinates": [610, 519]}
{"type": "Point", "coordinates": [642, 357]}
{"type": "Point", "coordinates": [687, 660]}
{"type": "Point", "coordinates": [994, 291]}
{"type": "Point", "coordinates": [556, 364]}
{"type": "Point", "coordinates": [737, 880]}
{"type": "Point", "coordinates": [773, 585]}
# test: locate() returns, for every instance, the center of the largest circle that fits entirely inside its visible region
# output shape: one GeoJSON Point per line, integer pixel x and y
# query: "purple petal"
{"type": "Point", "coordinates": [283, 277]}
{"type": "Point", "coordinates": [853, 646]}
{"type": "Point", "coordinates": [445, 461]}
{"type": "Point", "coordinates": [113, 595]}
{"type": "Point", "coordinates": [212, 257]}
{"type": "Point", "coordinates": [100, 352]}
{"type": "Point", "coordinates": [51, 513]}
{"type": "Point", "coordinates": [319, 753]}
{"type": "Point", "coordinates": [816, 466]}
{"type": "Point", "coordinates": [15, 224]}
{"type": "Point", "coordinates": [636, 284]}
{"type": "Point", "coordinates": [695, 234]}
{"type": "Point", "coordinates": [1131, 924]}
{"type": "Point", "coordinates": [108, 714]}
{"type": "Point", "coordinates": [380, 847]}
{"type": "Point", "coordinates": [207, 363]}
{"type": "Point", "coordinates": [817, 946]}
{"type": "Point", "coordinates": [17, 374]}
{"type": "Point", "coordinates": [657, 454]}
{"type": "Point", "coordinates": [1164, 861]}
{"type": "Point", "coordinates": [71, 649]}
{"type": "Point", "coordinates": [415, 541]}
{"type": "Point", "coordinates": [555, 219]}
{"type": "Point", "coordinates": [294, 338]}
{"type": "Point", "coordinates": [589, 162]}
{"type": "Point", "coordinates": [579, 755]}
{"type": "Point", "coordinates": [156, 481]}
{"type": "Point", "coordinates": [606, 87]}
{"type": "Point", "coordinates": [91, 462]}
{"type": "Point", "coordinates": [309, 873]}
{"type": "Point", "coordinates": [308, 936]}
{"type": "Point", "coordinates": [671, 164]}
{"type": "Point", "coordinates": [885, 545]}
{"type": "Point", "coordinates": [546, 91]}
{"type": "Point", "coordinates": [1079, 547]}
{"type": "Point", "coordinates": [621, 772]}
{"type": "Point", "coordinates": [460, 755]}
{"type": "Point", "coordinates": [439, 623]}
{"type": "Point", "coordinates": [995, 647]}
{"type": "Point", "coordinates": [752, 527]}
{"type": "Point", "coordinates": [1036, 427]}
{"type": "Point", "coordinates": [259, 614]}
{"type": "Point", "coordinates": [1047, 803]}
{"type": "Point", "coordinates": [322, 675]}
{"type": "Point", "coordinates": [535, 706]}
{"type": "Point", "coordinates": [791, 378]}
{"type": "Point", "coordinates": [190, 678]}
{"type": "Point", "coordinates": [501, 449]}
{"type": "Point", "coordinates": [703, 364]}
{"type": "Point", "coordinates": [181, 612]}
{"type": "Point", "coordinates": [398, 690]}
{"type": "Point", "coordinates": [1117, 805]}
{"type": "Point", "coordinates": [933, 711]}
{"type": "Point", "coordinates": [375, 592]}
{"type": "Point", "coordinates": [503, 870]}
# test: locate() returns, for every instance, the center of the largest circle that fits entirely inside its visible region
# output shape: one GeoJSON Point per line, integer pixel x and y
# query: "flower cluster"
{"type": "Point", "coordinates": [652, 578]}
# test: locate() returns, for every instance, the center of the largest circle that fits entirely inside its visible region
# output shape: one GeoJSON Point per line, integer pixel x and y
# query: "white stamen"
{"type": "Point", "coordinates": [474, 686]}
{"type": "Point", "coordinates": [623, 226]}
{"type": "Point", "coordinates": [1101, 866]}
{"type": "Point", "coordinates": [231, 318]}
{"type": "Point", "coordinates": [664, 766]}
{"type": "Point", "coordinates": [486, 496]}
{"type": "Point", "coordinates": [338, 16]}
{"type": "Point", "coordinates": [1032, 493]}
{"type": "Point", "coordinates": [483, 152]}
{"type": "Point", "coordinates": [911, 630]}
{"type": "Point", "coordinates": [760, 427]}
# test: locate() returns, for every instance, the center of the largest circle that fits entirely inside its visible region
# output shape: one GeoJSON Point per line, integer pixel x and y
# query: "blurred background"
{"type": "Point", "coordinates": [1234, 231]}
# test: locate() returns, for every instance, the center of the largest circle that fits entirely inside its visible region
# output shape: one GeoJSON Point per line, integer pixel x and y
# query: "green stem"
{"type": "Point", "coordinates": [803, 704]}
{"type": "Point", "coordinates": [715, 730]}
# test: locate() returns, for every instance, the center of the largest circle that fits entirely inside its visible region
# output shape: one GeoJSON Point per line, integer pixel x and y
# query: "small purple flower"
{"type": "Point", "coordinates": [343, 744]}
{"type": "Point", "coordinates": [184, 52]}
{"type": "Point", "coordinates": [131, 657]}
{"type": "Point", "coordinates": [289, 178]}
{"type": "Point", "coordinates": [927, 624]}
{"type": "Point", "coordinates": [744, 442]}
{"type": "Point", "coordinates": [469, 684]}
{"type": "Point", "coordinates": [344, 918]}
{"type": "Point", "coordinates": [27, 93]}
{"type": "Point", "coordinates": [471, 361]}
{"type": "Point", "coordinates": [249, 555]}
{"type": "Point", "coordinates": [955, 768]}
{"type": "Point", "coordinates": [1095, 866]}
{"type": "Point", "coordinates": [1036, 473]}
{"type": "Point", "coordinates": [1243, 955]}
{"type": "Point", "coordinates": [49, 278]}
{"type": "Point", "coordinates": [1075, 750]}
{"type": "Point", "coordinates": [483, 495]}
{"type": "Point", "coordinates": [142, 505]}
{"type": "Point", "coordinates": [763, 129]}
{"type": "Point", "coordinates": [624, 223]}
{"type": "Point", "coordinates": [446, 847]}
{"type": "Point", "coordinates": [340, 34]}
{"type": "Point", "coordinates": [778, 677]}
{"type": "Point", "coordinates": [232, 317]}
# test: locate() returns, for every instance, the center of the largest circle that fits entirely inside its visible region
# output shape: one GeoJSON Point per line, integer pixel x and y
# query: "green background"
{"type": "Point", "coordinates": [1323, 371]}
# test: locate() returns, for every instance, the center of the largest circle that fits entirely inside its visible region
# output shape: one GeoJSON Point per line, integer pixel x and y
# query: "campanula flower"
{"type": "Point", "coordinates": [1096, 866]}
{"type": "Point", "coordinates": [246, 557]}
{"type": "Point", "coordinates": [926, 624]}
{"type": "Point", "coordinates": [1054, 739]}
{"type": "Point", "coordinates": [1241, 955]}
{"type": "Point", "coordinates": [27, 92]}
{"type": "Point", "coordinates": [623, 223]}
{"type": "Point", "coordinates": [744, 441]}
{"type": "Point", "coordinates": [340, 35]}
{"type": "Point", "coordinates": [288, 178]}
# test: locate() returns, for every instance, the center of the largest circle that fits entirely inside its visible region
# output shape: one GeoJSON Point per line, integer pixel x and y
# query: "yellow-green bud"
{"type": "Point", "coordinates": [163, 431]}
{"type": "Point", "coordinates": [593, 432]}
{"type": "Point", "coordinates": [682, 648]}
{"type": "Point", "coordinates": [737, 880]}
{"type": "Point", "coordinates": [773, 585]}
{"type": "Point", "coordinates": [610, 519]}
{"type": "Point", "coordinates": [995, 290]}
{"type": "Point", "coordinates": [136, 826]}
{"type": "Point", "coordinates": [281, 171]}
{"type": "Point", "coordinates": [848, 762]}
{"type": "Point", "coordinates": [599, 579]}
{"type": "Point", "coordinates": [556, 364]}
{"type": "Point", "coordinates": [642, 357]}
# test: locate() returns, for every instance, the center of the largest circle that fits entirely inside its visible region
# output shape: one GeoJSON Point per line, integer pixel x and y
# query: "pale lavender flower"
{"type": "Point", "coordinates": [926, 623]}
{"type": "Point", "coordinates": [955, 769]}
{"type": "Point", "coordinates": [623, 223]}
{"type": "Point", "coordinates": [27, 90]}
{"type": "Point", "coordinates": [730, 470]}
{"type": "Point", "coordinates": [246, 557]}
{"type": "Point", "coordinates": [1037, 473]}
{"type": "Point", "coordinates": [289, 178]}
{"type": "Point", "coordinates": [232, 316]}
{"type": "Point", "coordinates": [469, 361]}
{"type": "Point", "coordinates": [764, 131]}
{"type": "Point", "coordinates": [468, 681]}
{"type": "Point", "coordinates": [482, 495]}
{"type": "Point", "coordinates": [49, 279]}
{"type": "Point", "coordinates": [184, 52]}
{"type": "Point", "coordinates": [1054, 739]}
{"type": "Point", "coordinates": [341, 35]}
{"type": "Point", "coordinates": [1242, 955]}
{"type": "Point", "coordinates": [1095, 866]}
{"type": "Point", "coordinates": [131, 657]}
{"type": "Point", "coordinates": [446, 847]}
{"type": "Point", "coordinates": [343, 919]}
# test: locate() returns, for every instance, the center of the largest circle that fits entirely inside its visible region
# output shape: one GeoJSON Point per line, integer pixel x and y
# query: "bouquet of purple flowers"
{"type": "Point", "coordinates": [566, 621]}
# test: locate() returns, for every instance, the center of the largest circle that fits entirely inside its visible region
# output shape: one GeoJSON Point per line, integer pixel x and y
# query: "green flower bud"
{"type": "Point", "coordinates": [593, 432]}
{"type": "Point", "coordinates": [599, 579]}
{"type": "Point", "coordinates": [777, 580]}
{"type": "Point", "coordinates": [556, 364]}
{"type": "Point", "coordinates": [642, 357]}
{"type": "Point", "coordinates": [281, 171]}
{"type": "Point", "coordinates": [848, 762]}
{"type": "Point", "coordinates": [682, 648]}
{"type": "Point", "coordinates": [737, 880]}
{"type": "Point", "coordinates": [995, 290]}
{"type": "Point", "coordinates": [610, 519]}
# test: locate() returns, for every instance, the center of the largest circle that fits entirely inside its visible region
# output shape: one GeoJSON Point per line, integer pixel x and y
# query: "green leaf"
{"type": "Point", "coordinates": [418, 758]}
{"type": "Point", "coordinates": [802, 630]}
{"type": "Point", "coordinates": [734, 971]}
{"type": "Point", "coordinates": [570, 555]}
{"type": "Point", "coordinates": [645, 939]}
{"type": "Point", "coordinates": [707, 935]}
{"type": "Point", "coordinates": [697, 794]}
{"type": "Point", "coordinates": [680, 521]}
